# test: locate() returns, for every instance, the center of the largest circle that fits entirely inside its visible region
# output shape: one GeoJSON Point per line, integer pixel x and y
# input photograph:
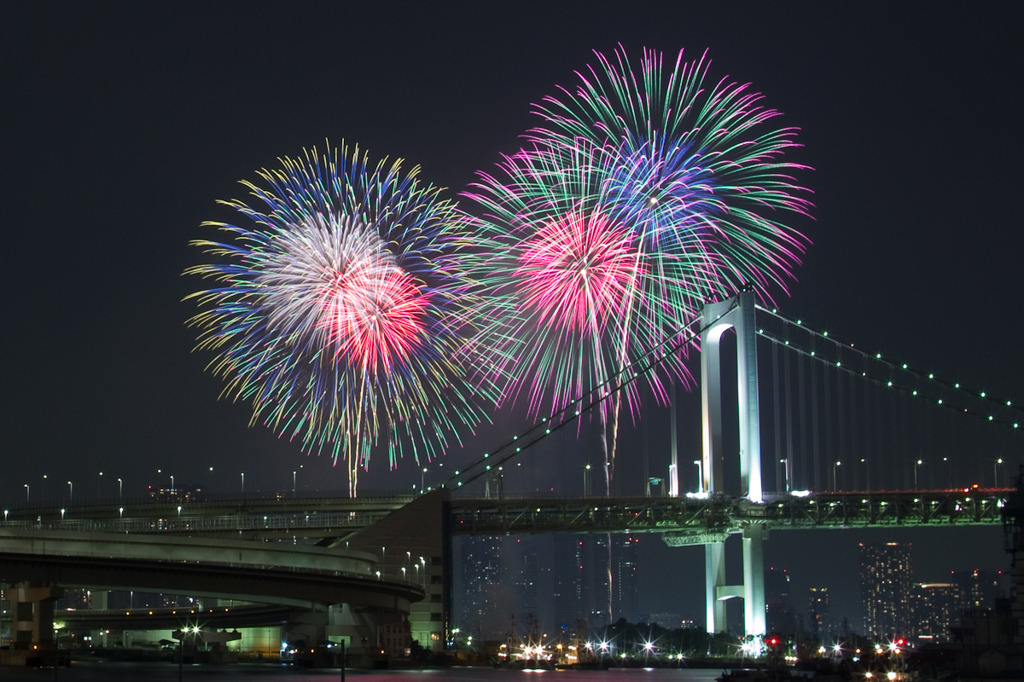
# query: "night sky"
{"type": "Point", "coordinates": [125, 122]}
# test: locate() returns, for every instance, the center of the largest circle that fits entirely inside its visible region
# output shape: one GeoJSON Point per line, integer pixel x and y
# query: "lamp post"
{"type": "Point", "coordinates": [172, 483]}
{"type": "Point", "coordinates": [243, 483]}
{"type": "Point", "coordinates": [835, 475]}
{"type": "Point", "coordinates": [99, 481]}
{"type": "Point", "coordinates": [995, 472]}
{"type": "Point", "coordinates": [293, 481]}
{"type": "Point", "coordinates": [28, 489]}
{"type": "Point", "coordinates": [71, 491]}
{"type": "Point", "coordinates": [917, 465]}
{"type": "Point", "coordinates": [586, 481]}
{"type": "Point", "coordinates": [949, 466]}
{"type": "Point", "coordinates": [785, 462]}
{"type": "Point", "coordinates": [867, 473]}
{"type": "Point", "coordinates": [120, 483]}
{"type": "Point", "coordinates": [700, 474]}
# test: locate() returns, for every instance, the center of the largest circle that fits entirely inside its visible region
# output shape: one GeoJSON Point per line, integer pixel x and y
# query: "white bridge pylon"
{"type": "Point", "coordinates": [717, 318]}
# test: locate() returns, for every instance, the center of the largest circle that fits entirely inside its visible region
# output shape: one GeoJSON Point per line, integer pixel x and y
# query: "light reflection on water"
{"type": "Point", "coordinates": [154, 672]}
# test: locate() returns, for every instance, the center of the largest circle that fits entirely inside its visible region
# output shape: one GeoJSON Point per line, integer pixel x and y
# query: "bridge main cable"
{"type": "Point", "coordinates": [953, 388]}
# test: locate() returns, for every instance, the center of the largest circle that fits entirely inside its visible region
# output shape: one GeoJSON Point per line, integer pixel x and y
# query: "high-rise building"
{"type": "Point", "coordinates": [568, 586]}
{"type": "Point", "coordinates": [819, 613]}
{"type": "Point", "coordinates": [626, 578]}
{"type": "Point", "coordinates": [979, 588]}
{"type": "Point", "coordinates": [886, 586]}
{"type": "Point", "coordinates": [780, 615]}
{"type": "Point", "coordinates": [937, 608]}
{"type": "Point", "coordinates": [481, 575]}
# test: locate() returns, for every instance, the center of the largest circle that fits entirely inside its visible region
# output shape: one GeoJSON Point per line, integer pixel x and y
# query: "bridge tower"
{"type": "Point", "coordinates": [716, 319]}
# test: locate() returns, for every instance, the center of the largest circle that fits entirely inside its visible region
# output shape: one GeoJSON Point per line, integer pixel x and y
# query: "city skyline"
{"type": "Point", "coordinates": [524, 577]}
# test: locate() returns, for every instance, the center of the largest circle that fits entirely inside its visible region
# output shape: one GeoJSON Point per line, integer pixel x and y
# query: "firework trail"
{"type": "Point", "coordinates": [341, 310]}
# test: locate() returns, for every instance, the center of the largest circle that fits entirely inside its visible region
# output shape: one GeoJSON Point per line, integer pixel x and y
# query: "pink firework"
{"type": "Point", "coordinates": [578, 271]}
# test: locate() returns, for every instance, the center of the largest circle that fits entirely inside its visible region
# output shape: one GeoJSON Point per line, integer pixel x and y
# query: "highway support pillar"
{"type": "Point", "coordinates": [32, 622]}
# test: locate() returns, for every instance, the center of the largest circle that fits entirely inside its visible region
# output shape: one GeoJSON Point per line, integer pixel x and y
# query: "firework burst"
{"type": "Point", "coordinates": [698, 163]}
{"type": "Point", "coordinates": [341, 310]}
{"type": "Point", "coordinates": [578, 296]}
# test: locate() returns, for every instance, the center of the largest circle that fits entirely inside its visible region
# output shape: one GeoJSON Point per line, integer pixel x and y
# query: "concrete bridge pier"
{"type": "Point", "coordinates": [32, 610]}
{"type": "Point", "coordinates": [717, 591]}
{"type": "Point", "coordinates": [32, 637]}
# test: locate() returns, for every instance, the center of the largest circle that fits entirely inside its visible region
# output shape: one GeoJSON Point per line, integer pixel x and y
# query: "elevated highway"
{"type": "Point", "coordinates": [271, 573]}
{"type": "Point", "coordinates": [332, 520]}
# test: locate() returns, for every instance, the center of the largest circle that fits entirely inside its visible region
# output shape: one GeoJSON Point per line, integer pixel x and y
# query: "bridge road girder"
{"type": "Point", "coordinates": [686, 521]}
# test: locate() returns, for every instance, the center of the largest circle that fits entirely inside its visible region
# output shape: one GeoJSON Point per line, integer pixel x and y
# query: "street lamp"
{"type": "Point", "coordinates": [867, 473]}
{"type": "Point", "coordinates": [423, 478]}
{"type": "Point", "coordinates": [71, 491]}
{"type": "Point", "coordinates": [917, 465]}
{"type": "Point", "coordinates": [785, 462]}
{"type": "Point", "coordinates": [172, 483]}
{"type": "Point", "coordinates": [995, 472]}
{"type": "Point", "coordinates": [28, 489]}
{"type": "Point", "coordinates": [243, 483]}
{"type": "Point", "coordinates": [586, 481]}
{"type": "Point", "coordinates": [700, 474]}
{"type": "Point", "coordinates": [120, 483]}
{"type": "Point", "coordinates": [293, 481]}
{"type": "Point", "coordinates": [99, 481]}
{"type": "Point", "coordinates": [835, 475]}
{"type": "Point", "coordinates": [949, 465]}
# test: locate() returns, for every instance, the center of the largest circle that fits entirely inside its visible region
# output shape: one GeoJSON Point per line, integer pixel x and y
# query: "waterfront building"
{"type": "Point", "coordinates": [780, 615]}
{"type": "Point", "coordinates": [979, 588]}
{"type": "Point", "coordinates": [886, 579]}
{"type": "Point", "coordinates": [819, 612]}
{"type": "Point", "coordinates": [481, 574]}
{"type": "Point", "coordinates": [937, 606]}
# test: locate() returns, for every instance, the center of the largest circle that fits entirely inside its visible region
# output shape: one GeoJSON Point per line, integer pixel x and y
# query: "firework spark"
{"type": "Point", "coordinates": [691, 156]}
{"type": "Point", "coordinates": [342, 311]}
{"type": "Point", "coordinates": [578, 296]}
